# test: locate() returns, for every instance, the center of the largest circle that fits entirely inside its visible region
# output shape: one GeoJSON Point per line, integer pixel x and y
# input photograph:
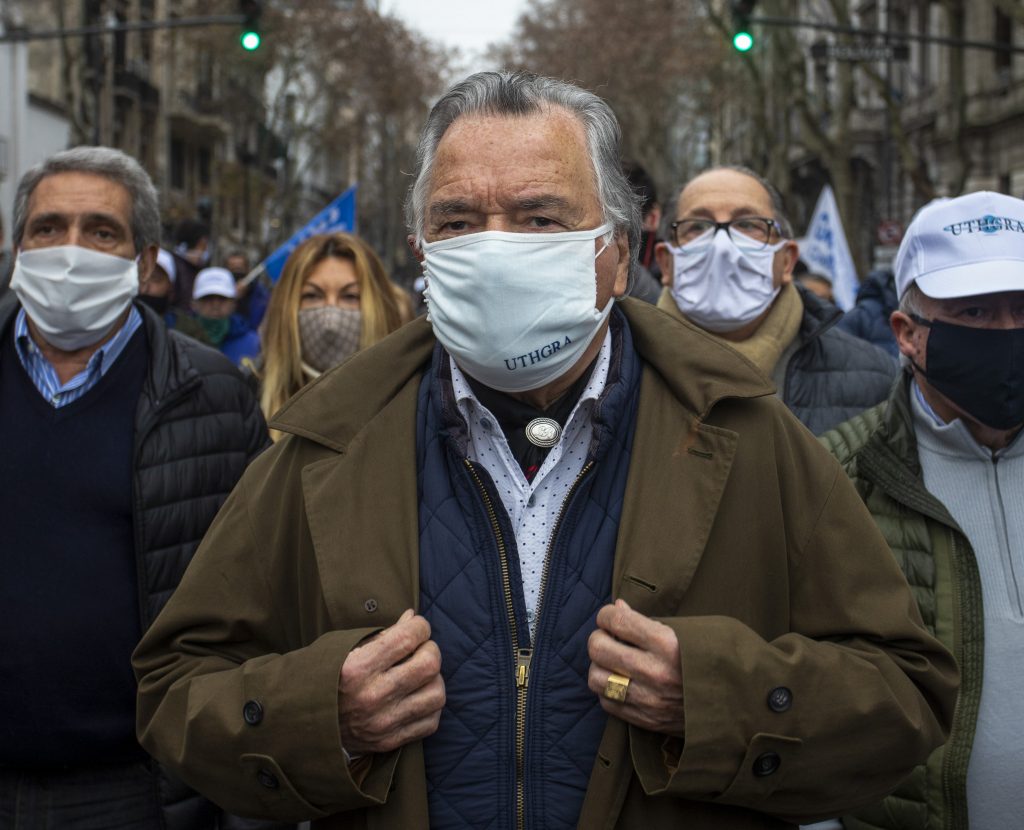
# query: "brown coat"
{"type": "Point", "coordinates": [738, 530]}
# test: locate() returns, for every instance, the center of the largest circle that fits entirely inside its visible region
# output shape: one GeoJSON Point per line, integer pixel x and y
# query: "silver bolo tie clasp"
{"type": "Point", "coordinates": [543, 432]}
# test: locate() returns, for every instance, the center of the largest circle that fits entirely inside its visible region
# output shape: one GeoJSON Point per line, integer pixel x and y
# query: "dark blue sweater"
{"type": "Point", "coordinates": [68, 583]}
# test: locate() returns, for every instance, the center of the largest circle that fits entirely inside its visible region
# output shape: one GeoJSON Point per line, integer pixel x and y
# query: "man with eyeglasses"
{"type": "Point", "coordinates": [728, 268]}
{"type": "Point", "coordinates": [940, 466]}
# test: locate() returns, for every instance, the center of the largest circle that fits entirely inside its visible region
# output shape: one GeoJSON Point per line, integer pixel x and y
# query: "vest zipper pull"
{"type": "Point", "coordinates": [523, 667]}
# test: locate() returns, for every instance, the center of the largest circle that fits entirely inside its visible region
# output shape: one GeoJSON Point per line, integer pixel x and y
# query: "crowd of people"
{"type": "Point", "coordinates": [562, 552]}
{"type": "Point", "coordinates": [224, 306]}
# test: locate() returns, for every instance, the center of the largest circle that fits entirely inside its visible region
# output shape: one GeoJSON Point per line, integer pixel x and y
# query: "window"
{"type": "Point", "coordinates": [923, 50]}
{"type": "Point", "coordinates": [120, 43]}
{"type": "Point", "coordinates": [204, 165]}
{"type": "Point", "coordinates": [177, 164]}
{"type": "Point", "coordinates": [868, 14]}
{"type": "Point", "coordinates": [1003, 37]}
{"type": "Point", "coordinates": [146, 38]}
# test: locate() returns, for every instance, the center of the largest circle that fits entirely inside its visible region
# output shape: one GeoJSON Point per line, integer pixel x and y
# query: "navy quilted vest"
{"type": "Point", "coordinates": [471, 762]}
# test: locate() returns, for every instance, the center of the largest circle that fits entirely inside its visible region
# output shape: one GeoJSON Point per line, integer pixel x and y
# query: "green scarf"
{"type": "Point", "coordinates": [215, 329]}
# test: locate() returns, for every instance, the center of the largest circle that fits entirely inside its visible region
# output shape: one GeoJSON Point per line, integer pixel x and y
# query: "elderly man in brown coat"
{"type": "Point", "coordinates": [547, 559]}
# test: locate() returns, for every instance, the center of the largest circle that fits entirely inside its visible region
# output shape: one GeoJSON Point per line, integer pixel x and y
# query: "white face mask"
{"type": "Point", "coordinates": [515, 310]}
{"type": "Point", "coordinates": [74, 295]}
{"type": "Point", "coordinates": [721, 286]}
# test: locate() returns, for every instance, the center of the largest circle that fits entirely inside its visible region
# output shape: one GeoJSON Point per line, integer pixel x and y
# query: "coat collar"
{"type": "Point", "coordinates": [362, 412]}
{"type": "Point", "coordinates": [890, 458]}
{"type": "Point", "coordinates": [333, 409]}
{"type": "Point", "coordinates": [336, 406]}
{"type": "Point", "coordinates": [697, 368]}
{"type": "Point", "coordinates": [8, 308]}
{"type": "Point", "coordinates": [170, 370]}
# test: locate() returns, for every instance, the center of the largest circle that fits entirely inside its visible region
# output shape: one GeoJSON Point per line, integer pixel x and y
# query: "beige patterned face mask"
{"type": "Point", "coordinates": [329, 335]}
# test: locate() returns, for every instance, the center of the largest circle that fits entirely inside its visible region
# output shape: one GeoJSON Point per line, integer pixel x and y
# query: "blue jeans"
{"type": "Point", "coordinates": [98, 798]}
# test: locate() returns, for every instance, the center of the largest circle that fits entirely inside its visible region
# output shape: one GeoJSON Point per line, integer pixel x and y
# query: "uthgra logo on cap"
{"type": "Point", "coordinates": [986, 224]}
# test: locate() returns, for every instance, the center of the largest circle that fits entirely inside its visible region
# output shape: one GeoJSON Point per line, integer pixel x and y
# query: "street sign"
{"type": "Point", "coordinates": [889, 232]}
{"type": "Point", "coordinates": [860, 53]}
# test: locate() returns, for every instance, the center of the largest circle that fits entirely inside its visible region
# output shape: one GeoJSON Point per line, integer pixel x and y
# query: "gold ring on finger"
{"type": "Point", "coordinates": [616, 687]}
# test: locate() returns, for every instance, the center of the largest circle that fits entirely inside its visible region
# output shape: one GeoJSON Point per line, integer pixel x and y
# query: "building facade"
{"type": "Point", "coordinates": [186, 102]}
{"type": "Point", "coordinates": [934, 119]}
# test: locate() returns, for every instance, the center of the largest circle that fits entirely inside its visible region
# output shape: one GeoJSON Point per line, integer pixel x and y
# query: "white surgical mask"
{"type": "Point", "coordinates": [74, 295]}
{"type": "Point", "coordinates": [720, 285]}
{"type": "Point", "coordinates": [515, 310]}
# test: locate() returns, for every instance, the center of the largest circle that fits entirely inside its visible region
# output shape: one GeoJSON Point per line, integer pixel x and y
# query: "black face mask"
{"type": "Point", "coordinates": [980, 370]}
{"type": "Point", "coordinates": [158, 304]}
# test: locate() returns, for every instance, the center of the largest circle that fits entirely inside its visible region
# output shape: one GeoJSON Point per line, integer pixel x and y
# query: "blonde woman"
{"type": "Point", "coordinates": [333, 299]}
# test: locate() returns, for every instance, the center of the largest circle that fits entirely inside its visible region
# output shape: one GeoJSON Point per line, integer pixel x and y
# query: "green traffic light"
{"type": "Point", "coordinates": [250, 41]}
{"type": "Point", "coordinates": [743, 41]}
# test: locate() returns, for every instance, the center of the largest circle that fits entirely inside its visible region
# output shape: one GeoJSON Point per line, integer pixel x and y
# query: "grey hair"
{"type": "Point", "coordinates": [778, 207]}
{"type": "Point", "coordinates": [523, 93]}
{"type": "Point", "coordinates": [100, 161]}
{"type": "Point", "coordinates": [911, 303]}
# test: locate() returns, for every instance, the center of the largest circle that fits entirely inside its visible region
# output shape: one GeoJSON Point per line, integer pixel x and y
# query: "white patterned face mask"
{"type": "Point", "coordinates": [515, 310]}
{"type": "Point", "coordinates": [74, 295]}
{"type": "Point", "coordinates": [720, 285]}
{"type": "Point", "coordinates": [329, 335]}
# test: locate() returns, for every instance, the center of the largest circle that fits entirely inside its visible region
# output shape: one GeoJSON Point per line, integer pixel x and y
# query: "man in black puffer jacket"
{"type": "Point", "coordinates": [121, 441]}
{"type": "Point", "coordinates": [826, 375]}
{"type": "Point", "coordinates": [869, 318]}
{"type": "Point", "coordinates": [728, 269]}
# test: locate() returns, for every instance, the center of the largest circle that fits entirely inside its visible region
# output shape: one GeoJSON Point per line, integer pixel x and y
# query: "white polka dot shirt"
{"type": "Point", "coordinates": [532, 507]}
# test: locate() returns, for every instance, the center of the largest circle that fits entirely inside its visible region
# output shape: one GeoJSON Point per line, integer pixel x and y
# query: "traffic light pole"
{"type": "Point", "coordinates": [22, 35]}
{"type": "Point", "coordinates": [890, 36]}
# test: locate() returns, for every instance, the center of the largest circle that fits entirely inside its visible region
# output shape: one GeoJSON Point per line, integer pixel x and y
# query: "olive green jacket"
{"type": "Point", "coordinates": [878, 450]}
{"type": "Point", "coordinates": [738, 530]}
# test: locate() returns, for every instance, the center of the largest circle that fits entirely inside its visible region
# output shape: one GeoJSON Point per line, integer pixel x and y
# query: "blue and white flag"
{"type": "Point", "coordinates": [825, 251]}
{"type": "Point", "coordinates": [339, 215]}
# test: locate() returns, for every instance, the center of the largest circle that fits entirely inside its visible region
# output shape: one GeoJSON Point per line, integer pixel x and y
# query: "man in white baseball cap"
{"type": "Point", "coordinates": [214, 303]}
{"type": "Point", "coordinates": [941, 468]}
{"type": "Point", "coordinates": [214, 282]}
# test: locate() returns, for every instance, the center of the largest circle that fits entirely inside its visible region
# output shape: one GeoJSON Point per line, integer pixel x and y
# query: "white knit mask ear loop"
{"type": "Point", "coordinates": [609, 236]}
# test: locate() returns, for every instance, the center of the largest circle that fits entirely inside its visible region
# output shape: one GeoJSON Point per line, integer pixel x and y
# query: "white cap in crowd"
{"type": "Point", "coordinates": [973, 244]}
{"type": "Point", "coordinates": [217, 282]}
{"type": "Point", "coordinates": [165, 260]}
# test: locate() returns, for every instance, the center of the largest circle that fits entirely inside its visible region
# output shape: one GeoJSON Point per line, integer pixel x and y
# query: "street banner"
{"type": "Point", "coordinates": [825, 251]}
{"type": "Point", "coordinates": [339, 215]}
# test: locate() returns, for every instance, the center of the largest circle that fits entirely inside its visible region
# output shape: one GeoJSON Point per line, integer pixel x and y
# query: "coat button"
{"type": "Point", "coordinates": [780, 699]}
{"type": "Point", "coordinates": [766, 764]}
{"type": "Point", "coordinates": [268, 779]}
{"type": "Point", "coordinates": [252, 712]}
{"type": "Point", "coordinates": [370, 605]}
